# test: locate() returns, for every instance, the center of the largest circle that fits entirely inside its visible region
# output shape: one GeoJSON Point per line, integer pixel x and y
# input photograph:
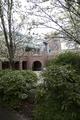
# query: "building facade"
{"type": "Point", "coordinates": [34, 60]}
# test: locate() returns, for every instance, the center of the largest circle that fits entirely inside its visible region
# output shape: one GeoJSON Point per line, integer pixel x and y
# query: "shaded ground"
{"type": "Point", "coordinates": [8, 114]}
{"type": "Point", "coordinates": [26, 110]}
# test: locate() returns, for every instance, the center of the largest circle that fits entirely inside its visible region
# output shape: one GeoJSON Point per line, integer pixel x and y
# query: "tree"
{"type": "Point", "coordinates": [3, 49]}
{"type": "Point", "coordinates": [62, 16]}
{"type": "Point", "coordinates": [10, 15]}
{"type": "Point", "coordinates": [8, 35]}
{"type": "Point", "coordinates": [73, 13]}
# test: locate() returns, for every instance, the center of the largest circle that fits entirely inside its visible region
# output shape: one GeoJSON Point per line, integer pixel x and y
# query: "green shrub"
{"type": "Point", "coordinates": [58, 98]}
{"type": "Point", "coordinates": [16, 86]}
{"type": "Point", "coordinates": [67, 58]}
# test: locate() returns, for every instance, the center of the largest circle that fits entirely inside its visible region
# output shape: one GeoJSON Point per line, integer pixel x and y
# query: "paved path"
{"type": "Point", "coordinates": [40, 79]}
{"type": "Point", "coordinates": [7, 114]}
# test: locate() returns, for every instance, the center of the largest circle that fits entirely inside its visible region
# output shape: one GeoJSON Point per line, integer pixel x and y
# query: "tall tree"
{"type": "Point", "coordinates": [60, 15]}
{"type": "Point", "coordinates": [10, 15]}
{"type": "Point", "coordinates": [7, 33]}
{"type": "Point", "coordinates": [72, 9]}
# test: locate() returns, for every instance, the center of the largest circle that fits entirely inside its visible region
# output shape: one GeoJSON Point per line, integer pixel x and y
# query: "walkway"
{"type": "Point", "coordinates": [7, 114]}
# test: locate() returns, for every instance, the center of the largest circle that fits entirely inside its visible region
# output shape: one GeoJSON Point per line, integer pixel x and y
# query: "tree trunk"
{"type": "Point", "coordinates": [8, 35]}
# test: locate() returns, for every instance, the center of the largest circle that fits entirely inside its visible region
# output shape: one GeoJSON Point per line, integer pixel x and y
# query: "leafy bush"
{"type": "Point", "coordinates": [16, 86]}
{"type": "Point", "coordinates": [67, 58]}
{"type": "Point", "coordinates": [58, 98]}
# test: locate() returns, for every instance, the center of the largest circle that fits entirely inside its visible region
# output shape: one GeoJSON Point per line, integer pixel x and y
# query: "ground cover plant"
{"type": "Point", "coordinates": [16, 86]}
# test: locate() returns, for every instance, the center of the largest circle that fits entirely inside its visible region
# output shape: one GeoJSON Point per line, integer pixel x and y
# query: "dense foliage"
{"type": "Point", "coordinates": [16, 86]}
{"type": "Point", "coordinates": [59, 96]}
{"type": "Point", "coordinates": [67, 58]}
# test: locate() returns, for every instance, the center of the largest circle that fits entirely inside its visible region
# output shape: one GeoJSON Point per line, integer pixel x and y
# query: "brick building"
{"type": "Point", "coordinates": [34, 60]}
